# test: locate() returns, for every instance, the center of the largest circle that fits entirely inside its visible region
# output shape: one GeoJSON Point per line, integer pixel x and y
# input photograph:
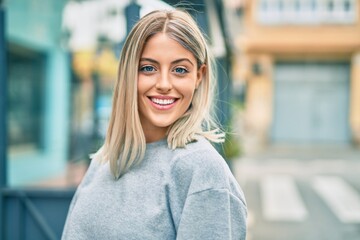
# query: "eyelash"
{"type": "Point", "coordinates": [184, 70]}
{"type": "Point", "coordinates": [146, 70]}
{"type": "Point", "coordinates": [143, 69]}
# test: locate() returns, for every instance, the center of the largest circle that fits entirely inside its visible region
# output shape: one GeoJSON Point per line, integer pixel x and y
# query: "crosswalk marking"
{"type": "Point", "coordinates": [342, 199]}
{"type": "Point", "coordinates": [281, 200]}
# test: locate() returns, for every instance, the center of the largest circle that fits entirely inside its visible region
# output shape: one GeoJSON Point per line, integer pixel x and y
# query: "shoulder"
{"type": "Point", "coordinates": [195, 156]}
{"type": "Point", "coordinates": [199, 167]}
{"type": "Point", "coordinates": [93, 167]}
{"type": "Point", "coordinates": [199, 147]}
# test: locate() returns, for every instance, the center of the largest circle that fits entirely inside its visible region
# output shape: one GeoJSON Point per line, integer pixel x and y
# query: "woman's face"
{"type": "Point", "coordinates": [167, 78]}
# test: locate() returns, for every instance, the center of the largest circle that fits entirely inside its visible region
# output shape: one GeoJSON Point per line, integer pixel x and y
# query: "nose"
{"type": "Point", "coordinates": [163, 83]}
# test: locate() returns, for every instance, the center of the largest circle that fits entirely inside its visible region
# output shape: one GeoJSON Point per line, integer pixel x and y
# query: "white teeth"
{"type": "Point", "coordinates": [163, 101]}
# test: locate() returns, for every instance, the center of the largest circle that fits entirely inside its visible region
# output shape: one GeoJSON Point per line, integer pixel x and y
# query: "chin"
{"type": "Point", "coordinates": [163, 124]}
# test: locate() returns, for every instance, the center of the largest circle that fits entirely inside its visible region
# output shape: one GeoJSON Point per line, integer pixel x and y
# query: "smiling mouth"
{"type": "Point", "coordinates": [163, 102]}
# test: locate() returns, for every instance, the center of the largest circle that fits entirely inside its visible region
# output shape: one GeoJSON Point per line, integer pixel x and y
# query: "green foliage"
{"type": "Point", "coordinates": [231, 147]}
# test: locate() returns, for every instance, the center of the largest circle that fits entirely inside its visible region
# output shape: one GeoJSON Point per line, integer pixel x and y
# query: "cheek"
{"type": "Point", "coordinates": [186, 87]}
{"type": "Point", "coordinates": [142, 85]}
{"type": "Point", "coordinates": [188, 94]}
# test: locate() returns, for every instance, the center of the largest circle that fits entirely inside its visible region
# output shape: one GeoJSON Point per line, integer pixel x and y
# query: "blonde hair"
{"type": "Point", "coordinates": [125, 142]}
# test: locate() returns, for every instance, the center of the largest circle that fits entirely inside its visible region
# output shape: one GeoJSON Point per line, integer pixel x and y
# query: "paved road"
{"type": "Point", "coordinates": [307, 193]}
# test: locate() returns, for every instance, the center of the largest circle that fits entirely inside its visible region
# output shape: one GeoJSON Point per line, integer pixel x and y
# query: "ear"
{"type": "Point", "coordinates": [201, 72]}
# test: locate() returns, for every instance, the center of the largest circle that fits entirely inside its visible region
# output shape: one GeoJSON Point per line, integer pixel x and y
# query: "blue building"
{"type": "Point", "coordinates": [38, 91]}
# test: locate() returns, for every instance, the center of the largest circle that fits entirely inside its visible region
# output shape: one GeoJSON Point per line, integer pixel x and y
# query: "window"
{"type": "Point", "coordinates": [26, 81]}
{"type": "Point", "coordinates": [298, 12]}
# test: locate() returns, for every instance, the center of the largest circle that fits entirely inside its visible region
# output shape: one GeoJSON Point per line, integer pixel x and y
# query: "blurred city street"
{"type": "Point", "coordinates": [307, 193]}
{"type": "Point", "coordinates": [288, 88]}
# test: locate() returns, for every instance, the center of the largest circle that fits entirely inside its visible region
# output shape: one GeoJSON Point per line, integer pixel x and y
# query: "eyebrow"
{"type": "Point", "coordinates": [173, 62]}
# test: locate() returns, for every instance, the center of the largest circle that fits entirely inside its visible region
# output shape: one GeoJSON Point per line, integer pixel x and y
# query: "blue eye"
{"type": "Point", "coordinates": [181, 70]}
{"type": "Point", "coordinates": [147, 69]}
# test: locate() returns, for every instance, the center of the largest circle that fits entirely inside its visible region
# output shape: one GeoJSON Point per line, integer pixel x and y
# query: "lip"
{"type": "Point", "coordinates": [163, 107]}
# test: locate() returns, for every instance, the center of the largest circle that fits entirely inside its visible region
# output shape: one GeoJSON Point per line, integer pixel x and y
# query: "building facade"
{"type": "Point", "coordinates": [38, 76]}
{"type": "Point", "coordinates": [300, 61]}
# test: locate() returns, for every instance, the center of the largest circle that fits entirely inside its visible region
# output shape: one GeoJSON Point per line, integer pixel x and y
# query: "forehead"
{"type": "Point", "coordinates": [162, 46]}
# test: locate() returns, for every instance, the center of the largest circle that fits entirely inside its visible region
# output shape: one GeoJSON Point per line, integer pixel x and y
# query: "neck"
{"type": "Point", "coordinates": [154, 135]}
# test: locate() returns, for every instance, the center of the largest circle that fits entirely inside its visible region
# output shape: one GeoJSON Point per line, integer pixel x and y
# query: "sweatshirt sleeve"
{"type": "Point", "coordinates": [213, 214]}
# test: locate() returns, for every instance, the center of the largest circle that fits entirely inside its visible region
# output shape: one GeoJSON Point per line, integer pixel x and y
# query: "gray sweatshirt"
{"type": "Point", "coordinates": [187, 193]}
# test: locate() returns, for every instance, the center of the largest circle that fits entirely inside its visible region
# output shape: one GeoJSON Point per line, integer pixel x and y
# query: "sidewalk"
{"type": "Point", "coordinates": [301, 193]}
{"type": "Point", "coordinates": [298, 161]}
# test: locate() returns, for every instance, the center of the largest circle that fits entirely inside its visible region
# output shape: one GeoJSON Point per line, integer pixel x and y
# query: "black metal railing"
{"type": "Point", "coordinates": [35, 213]}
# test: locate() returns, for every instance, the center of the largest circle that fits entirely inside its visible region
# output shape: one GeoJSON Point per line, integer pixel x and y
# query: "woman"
{"type": "Point", "coordinates": [157, 176]}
